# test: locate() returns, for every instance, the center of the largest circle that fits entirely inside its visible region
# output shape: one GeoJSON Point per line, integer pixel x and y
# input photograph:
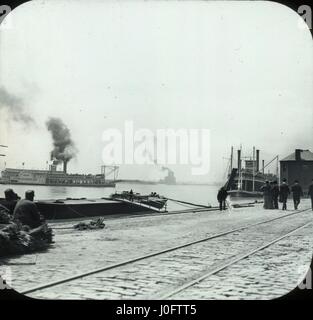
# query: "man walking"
{"type": "Point", "coordinates": [297, 193]}
{"type": "Point", "coordinates": [284, 192]}
{"type": "Point", "coordinates": [310, 193]}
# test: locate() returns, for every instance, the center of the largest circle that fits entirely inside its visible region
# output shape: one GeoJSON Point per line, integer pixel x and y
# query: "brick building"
{"type": "Point", "coordinates": [298, 166]}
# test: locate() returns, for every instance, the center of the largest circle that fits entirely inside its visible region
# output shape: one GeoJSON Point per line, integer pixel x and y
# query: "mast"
{"type": "Point", "coordinates": [231, 158]}
{"type": "Point", "coordinates": [253, 171]}
{"type": "Point", "coordinates": [277, 170]}
{"type": "Point", "coordinates": [239, 168]}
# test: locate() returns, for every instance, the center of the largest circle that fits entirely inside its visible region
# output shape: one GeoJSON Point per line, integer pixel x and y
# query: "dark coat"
{"type": "Point", "coordinates": [297, 190]}
{"type": "Point", "coordinates": [9, 204]}
{"type": "Point", "coordinates": [275, 191]}
{"type": "Point", "coordinates": [27, 213]}
{"type": "Point", "coordinates": [222, 195]}
{"type": "Point", "coordinates": [266, 189]}
{"type": "Point", "coordinates": [4, 215]}
{"type": "Point", "coordinates": [310, 192]}
{"type": "Point", "coordinates": [284, 190]}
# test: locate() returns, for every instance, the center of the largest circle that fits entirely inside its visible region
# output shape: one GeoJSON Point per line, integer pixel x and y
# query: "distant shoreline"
{"type": "Point", "coordinates": [177, 183]}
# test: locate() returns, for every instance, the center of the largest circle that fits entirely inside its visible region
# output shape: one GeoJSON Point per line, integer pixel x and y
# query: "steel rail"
{"type": "Point", "coordinates": [157, 253]}
{"type": "Point", "coordinates": [226, 265]}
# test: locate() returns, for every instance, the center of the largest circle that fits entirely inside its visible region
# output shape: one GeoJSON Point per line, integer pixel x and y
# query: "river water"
{"type": "Point", "coordinates": [199, 194]}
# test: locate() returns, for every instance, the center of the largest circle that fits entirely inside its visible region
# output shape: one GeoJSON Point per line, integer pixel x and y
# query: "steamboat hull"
{"type": "Point", "coordinates": [244, 194]}
{"type": "Point", "coordinates": [247, 186]}
{"type": "Point", "coordinates": [105, 185]}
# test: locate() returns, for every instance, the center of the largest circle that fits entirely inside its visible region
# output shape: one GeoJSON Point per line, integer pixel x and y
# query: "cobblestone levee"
{"type": "Point", "coordinates": [268, 274]}
{"type": "Point", "coordinates": [122, 239]}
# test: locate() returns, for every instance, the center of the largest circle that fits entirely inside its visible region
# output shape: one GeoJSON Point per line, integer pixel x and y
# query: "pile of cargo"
{"type": "Point", "coordinates": [18, 239]}
{"type": "Point", "coordinates": [91, 225]}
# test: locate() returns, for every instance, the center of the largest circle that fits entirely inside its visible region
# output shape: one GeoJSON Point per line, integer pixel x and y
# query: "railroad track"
{"type": "Point", "coordinates": [196, 281]}
{"type": "Point", "coordinates": [180, 247]}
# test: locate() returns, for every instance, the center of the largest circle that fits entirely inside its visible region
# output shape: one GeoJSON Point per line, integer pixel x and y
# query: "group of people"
{"type": "Point", "coordinates": [273, 194]}
{"type": "Point", "coordinates": [20, 210]}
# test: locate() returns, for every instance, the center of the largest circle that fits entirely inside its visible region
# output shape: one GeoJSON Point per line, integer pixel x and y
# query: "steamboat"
{"type": "Point", "coordinates": [247, 179]}
{"type": "Point", "coordinates": [54, 177]}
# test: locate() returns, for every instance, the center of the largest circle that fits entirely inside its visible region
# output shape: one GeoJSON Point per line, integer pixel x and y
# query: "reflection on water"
{"type": "Point", "coordinates": [199, 194]}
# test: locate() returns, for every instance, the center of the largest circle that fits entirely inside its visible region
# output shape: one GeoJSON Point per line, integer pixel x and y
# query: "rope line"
{"type": "Point", "coordinates": [190, 203]}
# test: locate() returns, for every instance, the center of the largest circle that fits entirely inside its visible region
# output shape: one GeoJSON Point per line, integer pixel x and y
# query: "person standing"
{"type": "Point", "coordinates": [284, 192]}
{"type": "Point", "coordinates": [221, 198]}
{"type": "Point", "coordinates": [310, 193]}
{"type": "Point", "coordinates": [296, 193]}
{"type": "Point", "coordinates": [275, 195]}
{"type": "Point", "coordinates": [267, 195]}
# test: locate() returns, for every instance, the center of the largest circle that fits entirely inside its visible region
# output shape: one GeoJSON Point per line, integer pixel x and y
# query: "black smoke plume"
{"type": "Point", "coordinates": [14, 106]}
{"type": "Point", "coordinates": [64, 147]}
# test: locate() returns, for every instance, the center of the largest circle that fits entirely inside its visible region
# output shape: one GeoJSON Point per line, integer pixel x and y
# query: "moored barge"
{"type": "Point", "coordinates": [118, 203]}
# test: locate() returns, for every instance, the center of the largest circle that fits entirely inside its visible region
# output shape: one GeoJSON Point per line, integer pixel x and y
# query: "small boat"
{"type": "Point", "coordinates": [151, 201]}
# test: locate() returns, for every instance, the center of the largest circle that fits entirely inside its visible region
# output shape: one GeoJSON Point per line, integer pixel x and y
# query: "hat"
{"type": "Point", "coordinates": [10, 194]}
{"type": "Point", "coordinates": [30, 192]}
{"type": "Point", "coordinates": [8, 191]}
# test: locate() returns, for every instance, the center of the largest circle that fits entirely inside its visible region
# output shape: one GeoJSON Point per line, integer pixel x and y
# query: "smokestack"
{"type": "Point", "coordinates": [257, 160]}
{"type": "Point", "coordinates": [65, 166]}
{"type": "Point", "coordinates": [298, 154]}
{"type": "Point", "coordinates": [239, 159]}
{"type": "Point", "coordinates": [263, 166]}
{"type": "Point", "coordinates": [52, 168]}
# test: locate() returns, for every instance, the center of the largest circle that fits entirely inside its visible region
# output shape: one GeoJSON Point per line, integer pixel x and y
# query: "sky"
{"type": "Point", "coordinates": [241, 70]}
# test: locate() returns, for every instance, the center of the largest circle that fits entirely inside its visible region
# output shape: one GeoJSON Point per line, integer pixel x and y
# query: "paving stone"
{"type": "Point", "coordinates": [258, 276]}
